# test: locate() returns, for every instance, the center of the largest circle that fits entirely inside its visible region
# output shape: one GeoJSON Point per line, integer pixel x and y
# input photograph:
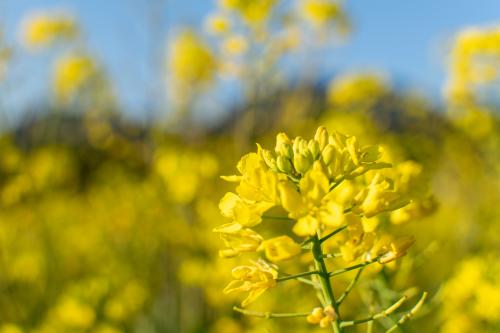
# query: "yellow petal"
{"type": "Point", "coordinates": [306, 226]}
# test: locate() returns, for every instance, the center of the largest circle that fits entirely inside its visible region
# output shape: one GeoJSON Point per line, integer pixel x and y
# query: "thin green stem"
{"type": "Point", "coordinates": [306, 242]}
{"type": "Point", "coordinates": [333, 233]}
{"type": "Point", "coordinates": [381, 314]}
{"type": "Point", "coordinates": [407, 316]}
{"type": "Point", "coordinates": [337, 183]}
{"type": "Point", "coordinates": [350, 286]}
{"type": "Point", "coordinates": [351, 268]}
{"type": "Point", "coordinates": [295, 276]}
{"type": "Point", "coordinates": [325, 281]}
{"type": "Point", "coordinates": [269, 315]}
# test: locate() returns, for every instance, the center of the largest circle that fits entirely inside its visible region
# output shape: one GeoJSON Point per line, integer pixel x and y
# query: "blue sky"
{"type": "Point", "coordinates": [406, 39]}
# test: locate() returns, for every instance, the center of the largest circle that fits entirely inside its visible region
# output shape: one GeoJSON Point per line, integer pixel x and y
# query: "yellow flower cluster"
{"type": "Point", "coordinates": [328, 185]}
{"type": "Point", "coordinates": [471, 298]}
{"type": "Point", "coordinates": [474, 62]}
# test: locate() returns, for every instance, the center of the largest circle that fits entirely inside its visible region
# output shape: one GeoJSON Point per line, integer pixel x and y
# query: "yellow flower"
{"type": "Point", "coordinates": [243, 212]}
{"type": "Point", "coordinates": [191, 61]}
{"type": "Point", "coordinates": [237, 239]}
{"type": "Point", "coordinates": [43, 29]}
{"type": "Point", "coordinates": [257, 182]}
{"type": "Point", "coordinates": [357, 90]}
{"type": "Point", "coordinates": [73, 313]}
{"type": "Point", "coordinates": [252, 11]}
{"type": "Point", "coordinates": [311, 207]}
{"type": "Point", "coordinates": [378, 197]}
{"type": "Point", "coordinates": [320, 12]}
{"type": "Point", "coordinates": [280, 248]}
{"type": "Point", "coordinates": [254, 279]}
{"type": "Point", "coordinates": [72, 73]}
{"type": "Point", "coordinates": [218, 24]}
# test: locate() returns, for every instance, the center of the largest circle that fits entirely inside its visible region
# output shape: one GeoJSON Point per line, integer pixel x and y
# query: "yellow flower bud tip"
{"type": "Point", "coordinates": [321, 137]}
{"type": "Point", "coordinates": [268, 157]}
{"type": "Point", "coordinates": [314, 148]}
{"type": "Point", "coordinates": [328, 154]}
{"type": "Point", "coordinates": [281, 139]}
{"type": "Point", "coordinates": [302, 163]}
{"type": "Point", "coordinates": [299, 145]}
{"type": "Point", "coordinates": [284, 165]}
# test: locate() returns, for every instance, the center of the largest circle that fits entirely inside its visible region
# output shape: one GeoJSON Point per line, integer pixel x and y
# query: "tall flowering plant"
{"type": "Point", "coordinates": [331, 190]}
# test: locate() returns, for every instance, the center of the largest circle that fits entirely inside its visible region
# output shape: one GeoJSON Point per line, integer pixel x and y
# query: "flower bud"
{"type": "Point", "coordinates": [284, 165]}
{"type": "Point", "coordinates": [268, 158]}
{"type": "Point", "coordinates": [299, 145]}
{"type": "Point", "coordinates": [328, 154]}
{"type": "Point", "coordinates": [321, 137]}
{"type": "Point", "coordinates": [313, 147]}
{"type": "Point", "coordinates": [302, 162]}
{"type": "Point", "coordinates": [286, 150]}
{"type": "Point", "coordinates": [281, 139]}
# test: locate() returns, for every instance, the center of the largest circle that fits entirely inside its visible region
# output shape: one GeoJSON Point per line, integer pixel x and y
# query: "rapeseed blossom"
{"type": "Point", "coordinates": [306, 179]}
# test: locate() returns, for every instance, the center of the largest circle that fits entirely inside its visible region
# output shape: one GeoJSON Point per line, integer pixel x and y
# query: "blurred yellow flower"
{"type": "Point", "coordinates": [218, 23]}
{"type": "Point", "coordinates": [43, 29]}
{"type": "Point", "coordinates": [320, 12]}
{"type": "Point", "coordinates": [252, 11]}
{"type": "Point", "coordinates": [71, 74]}
{"type": "Point", "coordinates": [191, 61]}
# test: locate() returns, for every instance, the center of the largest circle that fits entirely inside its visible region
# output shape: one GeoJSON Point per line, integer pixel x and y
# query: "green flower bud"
{"type": "Point", "coordinates": [286, 150]}
{"type": "Point", "coordinates": [302, 162]}
{"type": "Point", "coordinates": [321, 137]}
{"type": "Point", "coordinates": [296, 145]}
{"type": "Point", "coordinates": [314, 148]}
{"type": "Point", "coordinates": [328, 154]}
{"type": "Point", "coordinates": [284, 164]}
{"type": "Point", "coordinates": [281, 139]}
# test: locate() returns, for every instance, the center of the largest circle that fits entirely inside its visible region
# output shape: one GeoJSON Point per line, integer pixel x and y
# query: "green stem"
{"type": "Point", "coordinates": [295, 276]}
{"type": "Point", "coordinates": [337, 183]}
{"type": "Point", "coordinates": [351, 268]}
{"type": "Point", "coordinates": [325, 281]}
{"type": "Point", "coordinates": [349, 287]}
{"type": "Point", "coordinates": [333, 233]}
{"type": "Point", "coordinates": [376, 316]}
{"type": "Point", "coordinates": [409, 314]}
{"type": "Point", "coordinates": [268, 315]}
